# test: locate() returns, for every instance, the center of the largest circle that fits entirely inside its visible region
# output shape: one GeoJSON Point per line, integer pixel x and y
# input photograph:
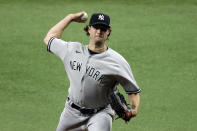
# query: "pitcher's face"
{"type": "Point", "coordinates": [98, 33]}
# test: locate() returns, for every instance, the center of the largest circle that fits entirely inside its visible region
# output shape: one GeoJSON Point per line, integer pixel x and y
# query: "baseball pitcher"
{"type": "Point", "coordinates": [94, 71]}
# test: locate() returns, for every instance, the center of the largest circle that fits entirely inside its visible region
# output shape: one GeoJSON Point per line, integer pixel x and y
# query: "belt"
{"type": "Point", "coordinates": [86, 111]}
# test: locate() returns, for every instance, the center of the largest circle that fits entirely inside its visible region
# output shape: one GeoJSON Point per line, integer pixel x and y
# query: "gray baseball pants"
{"type": "Point", "coordinates": [73, 120]}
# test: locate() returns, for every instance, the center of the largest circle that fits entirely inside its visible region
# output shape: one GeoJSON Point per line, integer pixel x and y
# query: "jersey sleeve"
{"type": "Point", "coordinates": [58, 47]}
{"type": "Point", "coordinates": [127, 80]}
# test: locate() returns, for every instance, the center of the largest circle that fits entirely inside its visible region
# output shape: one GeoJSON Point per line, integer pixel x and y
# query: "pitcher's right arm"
{"type": "Point", "coordinates": [57, 30]}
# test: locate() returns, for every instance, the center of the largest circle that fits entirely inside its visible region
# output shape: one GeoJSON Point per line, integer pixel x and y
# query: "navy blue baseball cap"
{"type": "Point", "coordinates": [100, 19]}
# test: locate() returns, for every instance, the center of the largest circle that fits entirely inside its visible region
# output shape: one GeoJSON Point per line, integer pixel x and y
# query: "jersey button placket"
{"type": "Point", "coordinates": [86, 61]}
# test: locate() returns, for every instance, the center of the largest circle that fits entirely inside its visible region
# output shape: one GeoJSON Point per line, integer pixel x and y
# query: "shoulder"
{"type": "Point", "coordinates": [59, 45]}
{"type": "Point", "coordinates": [118, 58]}
{"type": "Point", "coordinates": [70, 44]}
{"type": "Point", "coordinates": [74, 44]}
{"type": "Point", "coordinates": [54, 39]}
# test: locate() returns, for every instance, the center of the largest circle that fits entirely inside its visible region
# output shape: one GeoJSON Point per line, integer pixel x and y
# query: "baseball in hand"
{"type": "Point", "coordinates": [84, 16]}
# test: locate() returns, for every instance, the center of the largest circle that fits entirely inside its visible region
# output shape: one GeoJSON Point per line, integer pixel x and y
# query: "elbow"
{"type": "Point", "coordinates": [48, 37]}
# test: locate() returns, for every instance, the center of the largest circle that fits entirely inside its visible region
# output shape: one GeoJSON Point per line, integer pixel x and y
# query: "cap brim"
{"type": "Point", "coordinates": [101, 23]}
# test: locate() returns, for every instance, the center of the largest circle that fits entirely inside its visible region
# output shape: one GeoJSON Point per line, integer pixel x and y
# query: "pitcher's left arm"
{"type": "Point", "coordinates": [134, 100]}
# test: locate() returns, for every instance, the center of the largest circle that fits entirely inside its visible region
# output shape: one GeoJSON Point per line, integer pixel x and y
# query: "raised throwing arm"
{"type": "Point", "coordinates": [57, 30]}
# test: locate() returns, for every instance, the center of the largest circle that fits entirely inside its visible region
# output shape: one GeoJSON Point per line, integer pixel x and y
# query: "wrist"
{"type": "Point", "coordinates": [69, 17]}
{"type": "Point", "coordinates": [134, 110]}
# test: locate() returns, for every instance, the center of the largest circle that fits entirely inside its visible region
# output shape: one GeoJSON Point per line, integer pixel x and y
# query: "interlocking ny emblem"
{"type": "Point", "coordinates": [101, 17]}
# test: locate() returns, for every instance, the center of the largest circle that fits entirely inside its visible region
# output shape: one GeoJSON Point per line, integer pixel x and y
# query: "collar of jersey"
{"type": "Point", "coordinates": [102, 54]}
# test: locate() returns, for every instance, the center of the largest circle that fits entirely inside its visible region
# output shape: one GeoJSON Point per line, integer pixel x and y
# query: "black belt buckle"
{"type": "Point", "coordinates": [83, 110]}
{"type": "Point", "coordinates": [88, 111]}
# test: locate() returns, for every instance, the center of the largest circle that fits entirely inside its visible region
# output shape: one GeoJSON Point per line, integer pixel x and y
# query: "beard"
{"type": "Point", "coordinates": [99, 41]}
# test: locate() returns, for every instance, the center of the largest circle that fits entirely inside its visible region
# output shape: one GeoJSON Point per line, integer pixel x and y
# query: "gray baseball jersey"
{"type": "Point", "coordinates": [92, 77]}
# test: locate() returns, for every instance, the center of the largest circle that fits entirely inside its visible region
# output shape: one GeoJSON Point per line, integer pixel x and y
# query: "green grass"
{"type": "Point", "coordinates": [158, 38]}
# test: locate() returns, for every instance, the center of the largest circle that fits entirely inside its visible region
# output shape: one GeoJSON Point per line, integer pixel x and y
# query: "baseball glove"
{"type": "Point", "coordinates": [120, 106]}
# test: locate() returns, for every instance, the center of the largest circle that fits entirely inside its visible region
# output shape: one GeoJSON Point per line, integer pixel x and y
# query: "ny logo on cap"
{"type": "Point", "coordinates": [101, 17]}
